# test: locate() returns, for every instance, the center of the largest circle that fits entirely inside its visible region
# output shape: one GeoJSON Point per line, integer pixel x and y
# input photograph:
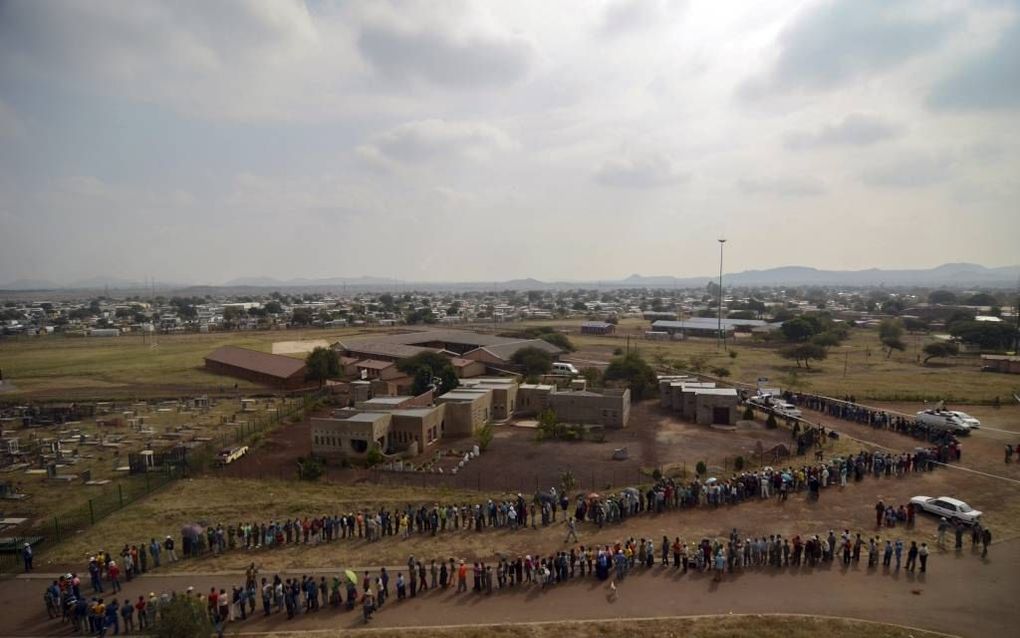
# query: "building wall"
{"type": "Point", "coordinates": [705, 409]}
{"type": "Point", "coordinates": [426, 429]}
{"type": "Point", "coordinates": [465, 417]}
{"type": "Point", "coordinates": [473, 369]}
{"type": "Point", "coordinates": [531, 401]}
{"type": "Point", "coordinates": [609, 410]}
{"type": "Point", "coordinates": [335, 436]}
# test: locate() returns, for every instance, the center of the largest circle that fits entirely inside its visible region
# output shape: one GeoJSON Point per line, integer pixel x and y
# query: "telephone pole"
{"type": "Point", "coordinates": [720, 340]}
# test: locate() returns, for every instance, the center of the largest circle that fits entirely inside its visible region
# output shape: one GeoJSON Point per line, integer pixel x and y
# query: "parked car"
{"type": "Point", "coordinates": [565, 369]}
{"type": "Point", "coordinates": [783, 408]}
{"type": "Point", "coordinates": [952, 508]}
{"type": "Point", "coordinates": [971, 422]}
{"type": "Point", "coordinates": [230, 454]}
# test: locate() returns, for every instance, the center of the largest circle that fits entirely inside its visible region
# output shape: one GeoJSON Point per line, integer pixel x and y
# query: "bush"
{"type": "Point", "coordinates": [310, 469]}
{"type": "Point", "coordinates": [771, 422]}
{"type": "Point", "coordinates": [374, 456]}
{"type": "Point", "coordinates": [721, 372]}
{"type": "Point", "coordinates": [657, 474]}
{"type": "Point", "coordinates": [182, 617]}
{"type": "Point", "coordinates": [617, 351]}
{"type": "Point", "coordinates": [701, 468]}
{"type": "Point", "coordinates": [485, 437]}
{"type": "Point", "coordinates": [738, 464]}
{"type": "Point", "coordinates": [748, 413]}
{"type": "Point", "coordinates": [733, 354]}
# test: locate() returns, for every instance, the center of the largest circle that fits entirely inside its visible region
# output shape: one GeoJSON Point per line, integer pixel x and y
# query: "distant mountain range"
{"type": "Point", "coordinates": [946, 275]}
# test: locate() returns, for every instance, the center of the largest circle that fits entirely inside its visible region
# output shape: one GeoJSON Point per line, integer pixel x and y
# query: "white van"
{"type": "Point", "coordinates": [565, 369]}
{"type": "Point", "coordinates": [943, 420]}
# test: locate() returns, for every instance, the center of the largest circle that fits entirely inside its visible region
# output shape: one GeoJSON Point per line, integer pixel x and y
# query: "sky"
{"type": "Point", "coordinates": [199, 142]}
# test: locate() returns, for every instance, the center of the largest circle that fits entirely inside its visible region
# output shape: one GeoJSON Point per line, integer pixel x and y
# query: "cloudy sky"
{"type": "Point", "coordinates": [203, 141]}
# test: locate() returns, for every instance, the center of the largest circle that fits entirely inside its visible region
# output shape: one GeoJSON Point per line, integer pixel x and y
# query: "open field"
{"type": "Point", "coordinates": [701, 627]}
{"type": "Point", "coordinates": [64, 368]}
{"type": "Point", "coordinates": [869, 375]}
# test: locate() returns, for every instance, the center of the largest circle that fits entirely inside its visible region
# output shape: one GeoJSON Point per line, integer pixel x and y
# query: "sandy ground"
{"type": "Point", "coordinates": [298, 347]}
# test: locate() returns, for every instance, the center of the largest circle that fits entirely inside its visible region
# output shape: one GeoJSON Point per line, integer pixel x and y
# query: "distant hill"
{"type": "Point", "coordinates": [955, 275]}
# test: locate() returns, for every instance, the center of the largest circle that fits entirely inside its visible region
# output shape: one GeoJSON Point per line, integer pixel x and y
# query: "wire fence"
{"type": "Point", "coordinates": [127, 489]}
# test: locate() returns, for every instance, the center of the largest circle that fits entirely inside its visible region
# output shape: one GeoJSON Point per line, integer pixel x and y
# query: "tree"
{"type": "Point", "coordinates": [981, 299]}
{"type": "Point", "coordinates": [374, 456]}
{"type": "Point", "coordinates": [593, 376]}
{"type": "Point", "coordinates": [567, 481]}
{"type": "Point", "coordinates": [273, 307]}
{"type": "Point", "coordinates": [942, 297]}
{"type": "Point", "coordinates": [533, 361]}
{"type": "Point", "coordinates": [485, 436]}
{"type": "Point", "coordinates": [701, 468]}
{"type": "Point", "coordinates": [427, 366]}
{"type": "Point", "coordinates": [182, 617]}
{"type": "Point", "coordinates": [636, 372]}
{"type": "Point", "coordinates": [322, 363]}
{"type": "Point", "coordinates": [310, 469]}
{"type": "Point", "coordinates": [231, 314]}
{"type": "Point", "coordinates": [940, 350]}
{"type": "Point", "coordinates": [987, 335]}
{"type": "Point", "coordinates": [804, 352]}
{"type": "Point", "coordinates": [301, 316]}
{"type": "Point", "coordinates": [799, 329]}
{"type": "Point", "coordinates": [890, 332]}
{"type": "Point", "coordinates": [915, 324]}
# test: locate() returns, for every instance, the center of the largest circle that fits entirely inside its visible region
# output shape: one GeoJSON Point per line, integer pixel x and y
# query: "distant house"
{"type": "Point", "coordinates": [1001, 363]}
{"type": "Point", "coordinates": [597, 328]}
{"type": "Point", "coordinates": [259, 367]}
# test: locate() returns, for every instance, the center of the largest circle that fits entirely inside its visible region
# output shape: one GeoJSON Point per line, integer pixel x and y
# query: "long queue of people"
{"type": "Point", "coordinates": [848, 409]}
{"type": "Point", "coordinates": [516, 512]}
{"type": "Point", "coordinates": [371, 591]}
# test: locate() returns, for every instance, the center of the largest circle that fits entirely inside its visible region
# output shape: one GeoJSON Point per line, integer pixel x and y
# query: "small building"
{"type": "Point", "coordinates": [504, 394]}
{"type": "Point", "coordinates": [597, 328]}
{"type": "Point", "coordinates": [351, 435]}
{"type": "Point", "coordinates": [377, 369]}
{"type": "Point", "coordinates": [1001, 363]}
{"type": "Point", "coordinates": [259, 367]}
{"type": "Point", "coordinates": [610, 407]}
{"type": "Point", "coordinates": [715, 406]}
{"type": "Point", "coordinates": [467, 368]}
{"type": "Point", "coordinates": [467, 410]}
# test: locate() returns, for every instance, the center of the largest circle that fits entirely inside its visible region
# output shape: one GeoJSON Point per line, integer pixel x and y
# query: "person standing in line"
{"type": "Point", "coordinates": [923, 555]}
{"type": "Point", "coordinates": [912, 556]}
{"type": "Point", "coordinates": [986, 540]}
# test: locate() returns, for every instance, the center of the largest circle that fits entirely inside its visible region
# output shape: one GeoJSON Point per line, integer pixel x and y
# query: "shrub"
{"type": "Point", "coordinates": [748, 413]}
{"type": "Point", "coordinates": [771, 422]}
{"type": "Point", "coordinates": [183, 616]}
{"type": "Point", "coordinates": [617, 351]}
{"type": "Point", "coordinates": [657, 474]}
{"type": "Point", "coordinates": [721, 372]}
{"type": "Point", "coordinates": [374, 456]}
{"type": "Point", "coordinates": [733, 354]}
{"type": "Point", "coordinates": [485, 437]}
{"type": "Point", "coordinates": [701, 468]}
{"type": "Point", "coordinates": [738, 464]}
{"type": "Point", "coordinates": [310, 469]}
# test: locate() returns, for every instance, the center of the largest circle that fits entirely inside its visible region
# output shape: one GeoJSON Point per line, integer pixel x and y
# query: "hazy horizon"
{"type": "Point", "coordinates": [465, 141]}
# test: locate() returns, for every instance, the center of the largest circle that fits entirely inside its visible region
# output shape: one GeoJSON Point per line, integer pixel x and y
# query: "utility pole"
{"type": "Point", "coordinates": [1016, 335]}
{"type": "Point", "coordinates": [720, 339]}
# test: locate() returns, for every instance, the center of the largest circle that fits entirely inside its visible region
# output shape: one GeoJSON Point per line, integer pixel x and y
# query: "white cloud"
{"type": "Point", "coordinates": [423, 140]}
{"type": "Point", "coordinates": [651, 170]}
{"type": "Point", "coordinates": [781, 186]}
{"type": "Point", "coordinates": [856, 129]}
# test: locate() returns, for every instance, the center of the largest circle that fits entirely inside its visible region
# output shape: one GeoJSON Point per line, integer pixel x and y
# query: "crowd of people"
{"type": "Point", "coordinates": [371, 591]}
{"type": "Point", "coordinates": [849, 410]}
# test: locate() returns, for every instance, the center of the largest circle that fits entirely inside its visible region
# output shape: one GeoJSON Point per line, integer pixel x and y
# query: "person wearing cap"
{"type": "Point", "coordinates": [168, 545]}
{"type": "Point", "coordinates": [113, 572]}
{"type": "Point", "coordinates": [26, 555]}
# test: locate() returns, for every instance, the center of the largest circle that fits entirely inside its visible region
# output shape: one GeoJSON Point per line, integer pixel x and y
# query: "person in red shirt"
{"type": "Point", "coordinates": [113, 571]}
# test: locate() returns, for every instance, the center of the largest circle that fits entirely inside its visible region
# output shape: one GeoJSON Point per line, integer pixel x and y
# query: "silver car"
{"type": "Point", "coordinates": [952, 508]}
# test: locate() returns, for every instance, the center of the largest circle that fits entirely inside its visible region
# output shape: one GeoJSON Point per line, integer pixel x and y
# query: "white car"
{"type": "Point", "coordinates": [952, 508]}
{"type": "Point", "coordinates": [971, 422]}
{"type": "Point", "coordinates": [786, 409]}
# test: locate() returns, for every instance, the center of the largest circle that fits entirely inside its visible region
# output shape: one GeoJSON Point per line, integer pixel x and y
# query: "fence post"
{"type": "Point", "coordinates": [120, 493]}
{"type": "Point", "coordinates": [92, 512]}
{"type": "Point", "coordinates": [56, 528]}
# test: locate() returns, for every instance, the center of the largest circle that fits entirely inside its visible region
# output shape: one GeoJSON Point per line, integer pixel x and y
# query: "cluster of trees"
{"type": "Point", "coordinates": [810, 336]}
{"type": "Point", "coordinates": [322, 364]}
{"type": "Point", "coordinates": [429, 369]}
{"type": "Point", "coordinates": [632, 369]}
{"type": "Point", "coordinates": [547, 334]}
{"type": "Point", "coordinates": [534, 361]}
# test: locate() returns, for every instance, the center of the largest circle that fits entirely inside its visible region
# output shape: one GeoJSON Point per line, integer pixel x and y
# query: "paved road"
{"type": "Point", "coordinates": [962, 594]}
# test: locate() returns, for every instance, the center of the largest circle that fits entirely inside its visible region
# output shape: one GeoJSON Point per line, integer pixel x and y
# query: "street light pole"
{"type": "Point", "coordinates": [720, 340]}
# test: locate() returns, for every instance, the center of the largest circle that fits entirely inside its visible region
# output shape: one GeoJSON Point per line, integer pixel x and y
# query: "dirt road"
{"type": "Point", "coordinates": [961, 594]}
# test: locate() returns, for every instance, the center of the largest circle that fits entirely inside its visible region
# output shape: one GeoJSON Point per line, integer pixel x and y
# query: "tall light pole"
{"type": "Point", "coordinates": [719, 339]}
